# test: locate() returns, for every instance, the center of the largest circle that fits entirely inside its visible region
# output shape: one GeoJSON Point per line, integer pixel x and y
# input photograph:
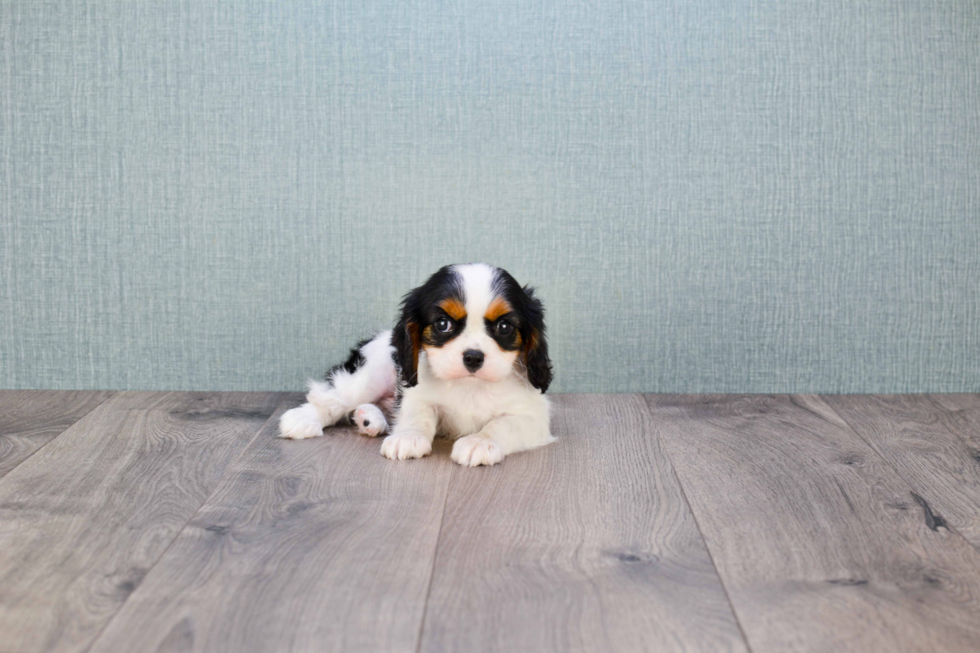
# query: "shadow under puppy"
{"type": "Point", "coordinates": [467, 360]}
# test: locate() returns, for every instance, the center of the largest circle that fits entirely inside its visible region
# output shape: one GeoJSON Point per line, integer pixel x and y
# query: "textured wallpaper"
{"type": "Point", "coordinates": [744, 195]}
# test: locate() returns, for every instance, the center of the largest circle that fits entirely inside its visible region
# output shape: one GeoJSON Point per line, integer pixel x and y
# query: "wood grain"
{"type": "Point", "coordinates": [965, 402]}
{"type": "Point", "coordinates": [83, 519]}
{"type": "Point", "coordinates": [313, 545]}
{"type": "Point", "coordinates": [587, 544]}
{"type": "Point", "coordinates": [935, 448]}
{"type": "Point", "coordinates": [818, 541]}
{"type": "Point", "coordinates": [29, 419]}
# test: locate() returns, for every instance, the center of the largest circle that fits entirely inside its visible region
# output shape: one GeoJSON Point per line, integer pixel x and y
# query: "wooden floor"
{"type": "Point", "coordinates": [137, 521]}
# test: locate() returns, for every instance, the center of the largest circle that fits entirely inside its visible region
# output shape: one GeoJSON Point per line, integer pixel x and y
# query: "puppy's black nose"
{"type": "Point", "coordinates": [472, 359]}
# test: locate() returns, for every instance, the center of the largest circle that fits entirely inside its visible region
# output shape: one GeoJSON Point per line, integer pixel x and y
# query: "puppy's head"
{"type": "Point", "coordinates": [473, 322]}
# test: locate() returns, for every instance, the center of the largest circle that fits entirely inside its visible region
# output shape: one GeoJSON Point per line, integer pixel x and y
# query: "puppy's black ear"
{"type": "Point", "coordinates": [535, 344]}
{"type": "Point", "coordinates": [407, 339]}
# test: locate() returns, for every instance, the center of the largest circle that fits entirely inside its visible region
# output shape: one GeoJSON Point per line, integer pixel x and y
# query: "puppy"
{"type": "Point", "coordinates": [468, 360]}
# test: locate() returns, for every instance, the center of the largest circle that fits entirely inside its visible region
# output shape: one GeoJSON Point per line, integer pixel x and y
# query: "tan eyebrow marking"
{"type": "Point", "coordinates": [453, 307]}
{"type": "Point", "coordinates": [499, 306]}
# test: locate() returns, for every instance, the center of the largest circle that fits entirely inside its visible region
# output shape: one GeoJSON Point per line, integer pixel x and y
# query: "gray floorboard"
{"type": "Point", "coordinates": [178, 522]}
{"type": "Point", "coordinates": [311, 545]}
{"type": "Point", "coordinates": [29, 419]}
{"type": "Point", "coordinates": [84, 518]}
{"type": "Point", "coordinates": [817, 539]}
{"type": "Point", "coordinates": [935, 447]}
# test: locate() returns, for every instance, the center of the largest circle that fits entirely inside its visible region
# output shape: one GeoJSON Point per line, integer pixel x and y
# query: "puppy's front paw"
{"type": "Point", "coordinates": [405, 446]}
{"type": "Point", "coordinates": [369, 419]}
{"type": "Point", "coordinates": [475, 450]}
{"type": "Point", "coordinates": [300, 423]}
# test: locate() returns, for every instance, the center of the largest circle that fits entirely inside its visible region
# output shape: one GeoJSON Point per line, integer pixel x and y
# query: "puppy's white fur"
{"type": "Point", "coordinates": [491, 413]}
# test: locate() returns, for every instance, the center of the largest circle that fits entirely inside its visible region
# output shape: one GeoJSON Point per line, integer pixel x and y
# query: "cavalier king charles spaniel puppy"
{"type": "Point", "coordinates": [467, 360]}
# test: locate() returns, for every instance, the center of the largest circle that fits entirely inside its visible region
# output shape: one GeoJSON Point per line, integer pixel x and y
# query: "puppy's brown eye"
{"type": "Point", "coordinates": [504, 328]}
{"type": "Point", "coordinates": [444, 325]}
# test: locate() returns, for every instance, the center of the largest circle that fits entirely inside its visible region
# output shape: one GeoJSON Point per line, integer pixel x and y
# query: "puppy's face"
{"type": "Point", "coordinates": [473, 322]}
{"type": "Point", "coordinates": [472, 331]}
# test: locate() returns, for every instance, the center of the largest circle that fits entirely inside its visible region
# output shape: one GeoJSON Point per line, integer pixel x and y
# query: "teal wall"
{"type": "Point", "coordinates": [747, 195]}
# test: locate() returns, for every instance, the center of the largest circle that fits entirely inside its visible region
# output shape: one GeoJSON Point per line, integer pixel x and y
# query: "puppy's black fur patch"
{"type": "Point", "coordinates": [354, 361]}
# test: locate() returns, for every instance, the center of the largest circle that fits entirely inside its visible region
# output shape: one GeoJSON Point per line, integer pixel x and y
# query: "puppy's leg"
{"type": "Point", "coordinates": [327, 404]}
{"type": "Point", "coordinates": [415, 428]}
{"type": "Point", "coordinates": [387, 404]}
{"type": "Point", "coordinates": [500, 437]}
{"type": "Point", "coordinates": [367, 377]}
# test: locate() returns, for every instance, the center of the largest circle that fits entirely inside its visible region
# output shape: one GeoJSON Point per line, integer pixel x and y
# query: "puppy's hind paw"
{"type": "Point", "coordinates": [405, 446]}
{"type": "Point", "coordinates": [475, 450]}
{"type": "Point", "coordinates": [369, 420]}
{"type": "Point", "coordinates": [300, 423]}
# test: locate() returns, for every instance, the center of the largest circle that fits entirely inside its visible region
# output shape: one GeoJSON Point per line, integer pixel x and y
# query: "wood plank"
{"type": "Point", "coordinates": [29, 419]}
{"type": "Point", "coordinates": [587, 544]}
{"type": "Point", "coordinates": [958, 402]}
{"type": "Point", "coordinates": [935, 448]}
{"type": "Point", "coordinates": [83, 519]}
{"type": "Point", "coordinates": [819, 542]}
{"type": "Point", "coordinates": [312, 545]}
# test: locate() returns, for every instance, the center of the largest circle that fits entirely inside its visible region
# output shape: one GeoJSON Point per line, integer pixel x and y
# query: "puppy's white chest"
{"type": "Point", "coordinates": [466, 410]}
{"type": "Point", "coordinates": [455, 423]}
